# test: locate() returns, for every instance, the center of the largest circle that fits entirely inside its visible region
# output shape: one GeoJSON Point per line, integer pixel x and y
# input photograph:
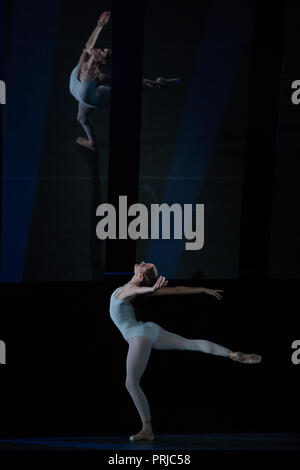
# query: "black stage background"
{"type": "Point", "coordinates": [65, 372]}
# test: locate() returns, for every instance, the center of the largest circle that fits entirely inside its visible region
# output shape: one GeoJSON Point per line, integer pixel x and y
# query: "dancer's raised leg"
{"type": "Point", "coordinates": [137, 359]}
{"type": "Point", "coordinates": [83, 117]}
{"type": "Point", "coordinates": [168, 340]}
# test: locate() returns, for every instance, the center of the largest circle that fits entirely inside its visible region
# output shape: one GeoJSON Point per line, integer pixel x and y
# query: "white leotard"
{"type": "Point", "coordinates": [123, 316]}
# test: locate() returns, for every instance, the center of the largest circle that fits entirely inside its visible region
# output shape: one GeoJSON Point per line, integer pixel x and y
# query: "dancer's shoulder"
{"type": "Point", "coordinates": [124, 292]}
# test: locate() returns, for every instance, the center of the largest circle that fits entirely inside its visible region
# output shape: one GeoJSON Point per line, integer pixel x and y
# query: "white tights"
{"type": "Point", "coordinates": [138, 356]}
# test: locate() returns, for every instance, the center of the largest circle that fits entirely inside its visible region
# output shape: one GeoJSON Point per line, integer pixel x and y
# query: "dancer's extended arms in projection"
{"type": "Point", "coordinates": [160, 82]}
{"type": "Point", "coordinates": [103, 20]}
{"type": "Point", "coordinates": [86, 53]}
{"type": "Point", "coordinates": [186, 290]}
{"type": "Point", "coordinates": [151, 83]}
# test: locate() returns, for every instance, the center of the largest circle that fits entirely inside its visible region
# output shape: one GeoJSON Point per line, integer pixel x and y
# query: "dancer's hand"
{"type": "Point", "coordinates": [151, 83]}
{"type": "Point", "coordinates": [160, 82]}
{"type": "Point", "coordinates": [161, 282]}
{"type": "Point", "coordinates": [215, 293]}
{"type": "Point", "coordinates": [104, 18]}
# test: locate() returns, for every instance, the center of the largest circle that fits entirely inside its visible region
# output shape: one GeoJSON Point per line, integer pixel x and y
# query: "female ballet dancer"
{"type": "Point", "coordinates": [91, 87]}
{"type": "Point", "coordinates": [143, 336]}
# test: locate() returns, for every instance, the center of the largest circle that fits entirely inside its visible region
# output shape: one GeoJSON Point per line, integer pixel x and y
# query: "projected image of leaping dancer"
{"type": "Point", "coordinates": [91, 87]}
{"type": "Point", "coordinates": [143, 336]}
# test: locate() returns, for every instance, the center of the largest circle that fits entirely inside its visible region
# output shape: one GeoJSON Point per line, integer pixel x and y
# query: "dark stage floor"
{"type": "Point", "coordinates": [210, 442]}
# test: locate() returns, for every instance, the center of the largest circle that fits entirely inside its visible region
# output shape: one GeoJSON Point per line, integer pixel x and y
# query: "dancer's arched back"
{"type": "Point", "coordinates": [143, 336]}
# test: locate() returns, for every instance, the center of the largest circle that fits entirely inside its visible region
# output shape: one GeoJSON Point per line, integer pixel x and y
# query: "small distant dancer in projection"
{"type": "Point", "coordinates": [91, 87]}
{"type": "Point", "coordinates": [142, 337]}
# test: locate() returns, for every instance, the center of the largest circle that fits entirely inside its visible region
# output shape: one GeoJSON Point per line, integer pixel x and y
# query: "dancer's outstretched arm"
{"type": "Point", "coordinates": [151, 83]}
{"type": "Point", "coordinates": [159, 82]}
{"type": "Point", "coordinates": [103, 20]}
{"type": "Point", "coordinates": [186, 290]}
{"type": "Point", "coordinates": [160, 288]}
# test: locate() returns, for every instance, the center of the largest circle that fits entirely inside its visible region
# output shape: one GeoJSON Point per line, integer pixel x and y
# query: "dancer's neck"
{"type": "Point", "coordinates": [134, 281]}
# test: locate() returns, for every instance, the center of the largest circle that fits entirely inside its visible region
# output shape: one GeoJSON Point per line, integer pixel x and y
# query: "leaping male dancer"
{"type": "Point", "coordinates": [91, 87]}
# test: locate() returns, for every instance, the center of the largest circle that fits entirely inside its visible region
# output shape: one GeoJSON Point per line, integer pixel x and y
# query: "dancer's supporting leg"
{"type": "Point", "coordinates": [168, 340]}
{"type": "Point", "coordinates": [137, 359]}
{"type": "Point", "coordinates": [83, 114]}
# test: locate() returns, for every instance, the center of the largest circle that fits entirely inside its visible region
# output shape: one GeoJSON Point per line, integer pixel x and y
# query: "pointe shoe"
{"type": "Point", "coordinates": [85, 143]}
{"type": "Point", "coordinates": [142, 436]}
{"type": "Point", "coordinates": [247, 358]}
